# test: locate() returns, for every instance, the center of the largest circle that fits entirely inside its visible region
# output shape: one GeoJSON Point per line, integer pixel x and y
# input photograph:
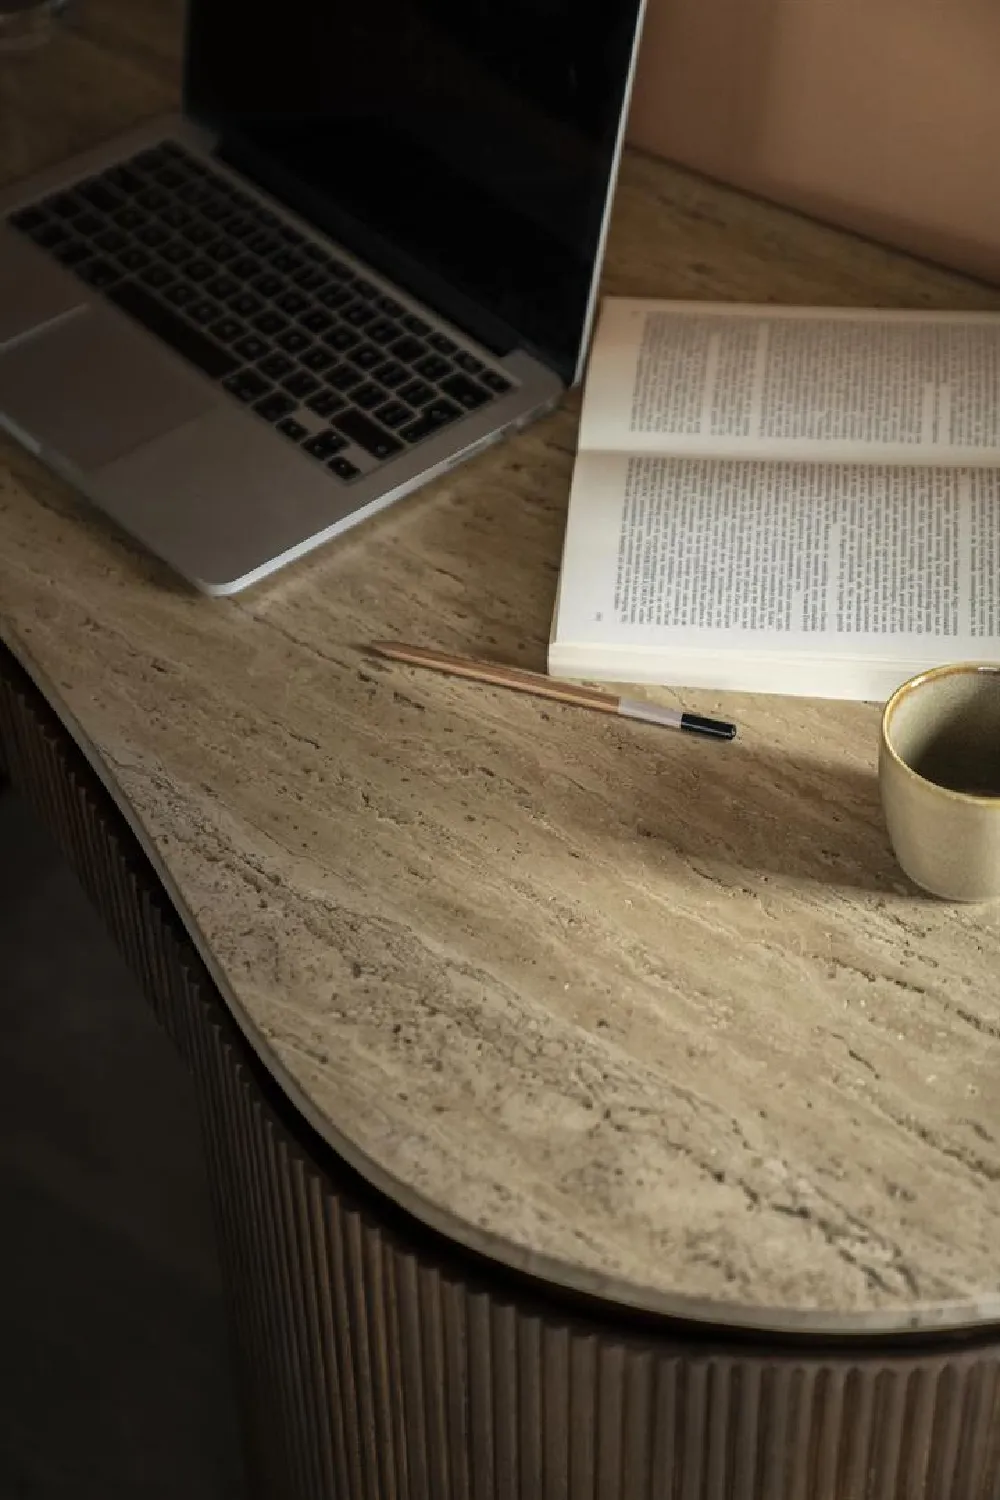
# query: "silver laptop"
{"type": "Point", "coordinates": [367, 248]}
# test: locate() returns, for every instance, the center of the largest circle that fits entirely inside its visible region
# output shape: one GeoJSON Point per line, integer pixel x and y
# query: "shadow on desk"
{"type": "Point", "coordinates": [762, 813]}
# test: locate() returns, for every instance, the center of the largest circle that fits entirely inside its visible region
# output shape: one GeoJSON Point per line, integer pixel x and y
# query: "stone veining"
{"type": "Point", "coordinates": [659, 1020]}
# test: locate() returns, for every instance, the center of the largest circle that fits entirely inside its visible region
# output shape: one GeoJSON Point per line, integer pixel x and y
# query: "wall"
{"type": "Point", "coordinates": [882, 115]}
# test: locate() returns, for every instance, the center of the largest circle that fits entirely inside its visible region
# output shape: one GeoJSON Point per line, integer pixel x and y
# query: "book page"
{"type": "Point", "coordinates": [668, 556]}
{"type": "Point", "coordinates": [830, 384]}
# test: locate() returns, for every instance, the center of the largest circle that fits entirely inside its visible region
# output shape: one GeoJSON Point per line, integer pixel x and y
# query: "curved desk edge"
{"type": "Point", "coordinates": [974, 1318]}
{"type": "Point", "coordinates": [373, 1360]}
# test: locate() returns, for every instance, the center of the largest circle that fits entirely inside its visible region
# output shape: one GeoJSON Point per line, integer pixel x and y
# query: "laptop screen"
{"type": "Point", "coordinates": [464, 147]}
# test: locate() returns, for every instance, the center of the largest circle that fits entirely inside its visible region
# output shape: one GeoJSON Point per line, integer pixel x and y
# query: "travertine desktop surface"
{"type": "Point", "coordinates": [648, 1016]}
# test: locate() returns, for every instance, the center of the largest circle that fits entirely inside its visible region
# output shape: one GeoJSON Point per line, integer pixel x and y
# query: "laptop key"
{"type": "Point", "coordinates": [72, 251]}
{"type": "Point", "coordinates": [368, 395]}
{"type": "Point", "coordinates": [393, 414]}
{"type": "Point", "coordinates": [228, 330]}
{"type": "Point", "coordinates": [416, 325]}
{"type": "Point", "coordinates": [153, 198]}
{"type": "Point", "coordinates": [343, 377]}
{"type": "Point", "coordinates": [175, 252]}
{"type": "Point", "coordinates": [180, 294]}
{"type": "Point", "coordinates": [63, 205]}
{"type": "Point", "coordinates": [270, 323]}
{"type": "Point", "coordinates": [316, 320]}
{"type": "Point", "coordinates": [200, 269]}
{"type": "Point", "coordinates": [223, 252]}
{"type": "Point", "coordinates": [98, 273]}
{"type": "Point", "coordinates": [495, 382]}
{"type": "Point", "coordinates": [358, 314]}
{"type": "Point", "coordinates": [151, 234]}
{"type": "Point", "coordinates": [48, 236]}
{"type": "Point", "coordinates": [176, 216]}
{"type": "Point", "coordinates": [285, 260]}
{"type": "Point", "coordinates": [124, 179]}
{"type": "Point", "coordinates": [28, 219]}
{"type": "Point", "coordinates": [293, 429]}
{"type": "Point", "coordinates": [436, 416]}
{"type": "Point", "coordinates": [342, 338]}
{"type": "Point", "coordinates": [367, 357]}
{"type": "Point", "coordinates": [468, 362]}
{"type": "Point", "coordinates": [326, 403]}
{"type": "Point", "coordinates": [222, 287]}
{"type": "Point", "coordinates": [204, 311]}
{"type": "Point", "coordinates": [247, 386]}
{"type": "Point", "coordinates": [390, 306]}
{"type": "Point", "coordinates": [134, 259]}
{"type": "Point", "coordinates": [129, 218]}
{"type": "Point", "coordinates": [416, 393]}
{"type": "Point", "coordinates": [335, 296]}
{"type": "Point", "coordinates": [318, 358]}
{"type": "Point", "coordinates": [293, 341]}
{"type": "Point", "coordinates": [408, 349]}
{"type": "Point", "coordinates": [383, 331]}
{"type": "Point", "coordinates": [192, 345]}
{"type": "Point", "coordinates": [246, 268]}
{"type": "Point", "coordinates": [265, 285]}
{"type": "Point", "coordinates": [169, 177]}
{"type": "Point", "coordinates": [276, 366]}
{"type": "Point", "coordinates": [310, 278]}
{"type": "Point", "coordinates": [264, 242]}
{"type": "Point", "coordinates": [157, 276]}
{"type": "Point", "coordinates": [325, 444]}
{"type": "Point", "coordinates": [292, 302]}
{"type": "Point", "coordinates": [391, 374]}
{"type": "Point", "coordinates": [343, 468]}
{"type": "Point", "coordinates": [98, 195]}
{"type": "Point", "coordinates": [301, 384]}
{"type": "Point", "coordinates": [465, 391]}
{"type": "Point", "coordinates": [246, 304]}
{"type": "Point", "coordinates": [239, 225]}
{"type": "Point", "coordinates": [199, 234]}
{"type": "Point", "coordinates": [442, 343]}
{"type": "Point", "coordinates": [274, 407]}
{"type": "Point", "coordinates": [88, 223]}
{"type": "Point", "coordinates": [367, 434]}
{"type": "Point", "coordinates": [433, 367]}
{"type": "Point", "coordinates": [251, 347]}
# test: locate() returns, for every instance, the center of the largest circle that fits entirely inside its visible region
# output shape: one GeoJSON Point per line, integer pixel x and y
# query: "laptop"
{"type": "Point", "coordinates": [366, 248]}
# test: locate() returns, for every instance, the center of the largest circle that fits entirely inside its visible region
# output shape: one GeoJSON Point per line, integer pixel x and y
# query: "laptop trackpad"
{"type": "Point", "coordinates": [90, 388]}
{"type": "Point", "coordinates": [35, 288]}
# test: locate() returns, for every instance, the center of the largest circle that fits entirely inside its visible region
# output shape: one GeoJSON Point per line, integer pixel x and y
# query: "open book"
{"type": "Point", "coordinates": [783, 500]}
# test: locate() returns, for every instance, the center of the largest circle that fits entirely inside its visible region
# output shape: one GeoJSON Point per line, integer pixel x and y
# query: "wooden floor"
{"type": "Point", "coordinates": [114, 1374]}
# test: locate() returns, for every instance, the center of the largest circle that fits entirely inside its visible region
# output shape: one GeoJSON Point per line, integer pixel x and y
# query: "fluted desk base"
{"type": "Point", "coordinates": [379, 1362]}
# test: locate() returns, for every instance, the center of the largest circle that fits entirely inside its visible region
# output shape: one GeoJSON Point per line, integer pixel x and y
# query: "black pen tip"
{"type": "Point", "coordinates": [716, 729]}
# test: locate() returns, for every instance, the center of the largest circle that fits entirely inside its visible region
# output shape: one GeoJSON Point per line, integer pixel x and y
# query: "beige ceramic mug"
{"type": "Point", "coordinates": [939, 775]}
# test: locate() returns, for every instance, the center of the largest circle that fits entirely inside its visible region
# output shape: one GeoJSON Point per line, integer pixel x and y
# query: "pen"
{"type": "Point", "coordinates": [541, 686]}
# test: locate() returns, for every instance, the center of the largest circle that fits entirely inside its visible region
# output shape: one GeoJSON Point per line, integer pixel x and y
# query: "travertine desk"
{"type": "Point", "coordinates": [530, 1009]}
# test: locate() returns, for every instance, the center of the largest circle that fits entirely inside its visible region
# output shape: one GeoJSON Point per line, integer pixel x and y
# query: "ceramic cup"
{"type": "Point", "coordinates": [939, 776]}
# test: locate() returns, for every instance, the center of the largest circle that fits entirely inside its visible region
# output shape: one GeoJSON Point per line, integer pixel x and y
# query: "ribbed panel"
{"type": "Point", "coordinates": [375, 1365]}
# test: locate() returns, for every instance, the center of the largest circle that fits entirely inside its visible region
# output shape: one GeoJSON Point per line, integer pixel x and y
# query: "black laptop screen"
{"type": "Point", "coordinates": [464, 146]}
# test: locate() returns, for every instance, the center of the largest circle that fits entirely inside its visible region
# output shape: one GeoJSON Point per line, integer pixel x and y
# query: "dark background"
{"type": "Point", "coordinates": [115, 1380]}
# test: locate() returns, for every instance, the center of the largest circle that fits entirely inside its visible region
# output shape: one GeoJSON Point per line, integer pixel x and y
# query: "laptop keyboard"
{"type": "Point", "coordinates": [338, 367]}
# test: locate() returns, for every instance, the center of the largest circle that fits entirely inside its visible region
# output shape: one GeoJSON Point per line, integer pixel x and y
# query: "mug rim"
{"type": "Point", "coordinates": [911, 685]}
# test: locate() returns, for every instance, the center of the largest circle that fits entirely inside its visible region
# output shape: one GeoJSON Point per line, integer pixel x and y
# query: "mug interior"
{"type": "Point", "coordinates": [945, 726]}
